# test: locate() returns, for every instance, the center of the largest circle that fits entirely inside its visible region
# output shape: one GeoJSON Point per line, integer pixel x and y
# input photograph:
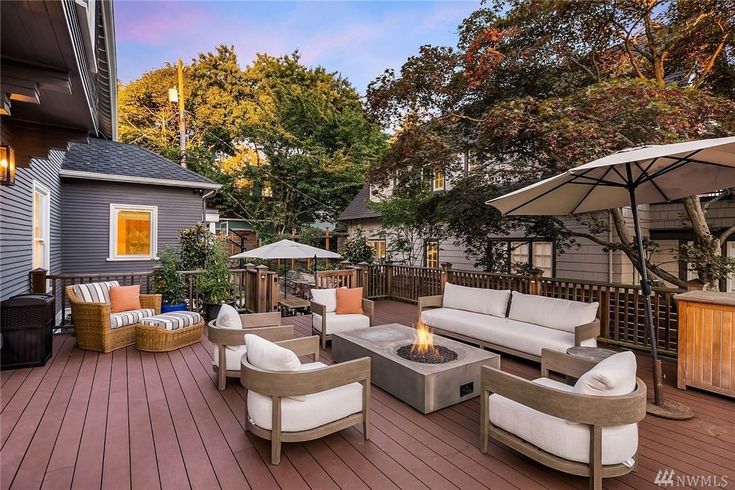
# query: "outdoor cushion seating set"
{"type": "Point", "coordinates": [588, 429]}
{"type": "Point", "coordinates": [108, 317]}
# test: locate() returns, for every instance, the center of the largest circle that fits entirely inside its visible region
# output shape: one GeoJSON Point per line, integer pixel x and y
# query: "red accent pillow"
{"type": "Point", "coordinates": [124, 298]}
{"type": "Point", "coordinates": [349, 301]}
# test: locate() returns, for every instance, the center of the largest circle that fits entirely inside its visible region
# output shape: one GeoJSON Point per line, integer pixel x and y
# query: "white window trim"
{"type": "Point", "coordinates": [435, 187]}
{"type": "Point", "coordinates": [42, 189]}
{"type": "Point", "coordinates": [114, 209]}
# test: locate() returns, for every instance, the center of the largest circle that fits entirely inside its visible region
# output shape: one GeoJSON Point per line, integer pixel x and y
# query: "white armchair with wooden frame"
{"type": "Point", "coordinates": [326, 317]}
{"type": "Point", "coordinates": [565, 427]}
{"type": "Point", "coordinates": [229, 342]}
{"type": "Point", "coordinates": [305, 402]}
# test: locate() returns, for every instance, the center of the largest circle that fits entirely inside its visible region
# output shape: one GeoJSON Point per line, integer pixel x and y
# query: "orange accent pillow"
{"type": "Point", "coordinates": [124, 298]}
{"type": "Point", "coordinates": [349, 301]}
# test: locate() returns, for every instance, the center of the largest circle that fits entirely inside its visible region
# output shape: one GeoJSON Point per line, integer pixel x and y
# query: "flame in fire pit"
{"type": "Point", "coordinates": [424, 341]}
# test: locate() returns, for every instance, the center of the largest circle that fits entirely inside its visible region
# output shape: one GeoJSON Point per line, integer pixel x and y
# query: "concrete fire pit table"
{"type": "Point", "coordinates": [426, 387]}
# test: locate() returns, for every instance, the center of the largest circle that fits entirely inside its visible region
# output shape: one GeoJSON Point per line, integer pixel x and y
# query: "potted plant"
{"type": "Point", "coordinates": [168, 282]}
{"type": "Point", "coordinates": [213, 282]}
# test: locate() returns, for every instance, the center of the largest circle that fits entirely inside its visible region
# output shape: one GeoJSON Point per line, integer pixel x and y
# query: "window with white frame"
{"type": "Point", "coordinates": [41, 226]}
{"type": "Point", "coordinates": [133, 232]}
{"type": "Point", "coordinates": [378, 247]}
{"type": "Point", "coordinates": [543, 257]}
{"type": "Point", "coordinates": [518, 254]}
{"type": "Point", "coordinates": [432, 254]}
{"type": "Point", "coordinates": [438, 183]}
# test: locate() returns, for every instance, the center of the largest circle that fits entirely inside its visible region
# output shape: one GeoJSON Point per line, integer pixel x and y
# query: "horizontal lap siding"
{"type": "Point", "coordinates": [16, 218]}
{"type": "Point", "coordinates": [86, 219]}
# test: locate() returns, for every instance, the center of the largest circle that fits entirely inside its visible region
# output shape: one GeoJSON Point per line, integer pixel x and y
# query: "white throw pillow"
{"type": "Point", "coordinates": [326, 297]}
{"type": "Point", "coordinates": [486, 301]}
{"type": "Point", "coordinates": [228, 317]}
{"type": "Point", "coordinates": [264, 354]}
{"type": "Point", "coordinates": [559, 314]}
{"type": "Point", "coordinates": [610, 377]}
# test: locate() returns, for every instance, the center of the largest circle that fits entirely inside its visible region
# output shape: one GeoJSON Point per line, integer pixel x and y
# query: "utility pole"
{"type": "Point", "coordinates": [182, 120]}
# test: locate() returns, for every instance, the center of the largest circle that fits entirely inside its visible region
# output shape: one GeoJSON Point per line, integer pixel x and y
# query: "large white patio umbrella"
{"type": "Point", "coordinates": [643, 175]}
{"type": "Point", "coordinates": [287, 249]}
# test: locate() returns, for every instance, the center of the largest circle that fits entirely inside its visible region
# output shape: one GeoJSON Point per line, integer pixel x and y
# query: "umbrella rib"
{"type": "Point", "coordinates": [624, 179]}
{"type": "Point", "coordinates": [592, 188]}
{"type": "Point", "coordinates": [644, 173]}
{"type": "Point", "coordinates": [681, 161]}
{"type": "Point", "coordinates": [653, 182]}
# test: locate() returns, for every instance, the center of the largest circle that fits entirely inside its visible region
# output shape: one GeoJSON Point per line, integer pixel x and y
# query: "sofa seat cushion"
{"type": "Point", "coordinates": [125, 318]}
{"type": "Point", "coordinates": [233, 356]}
{"type": "Point", "coordinates": [340, 323]}
{"type": "Point", "coordinates": [523, 337]}
{"type": "Point", "coordinates": [94, 292]}
{"type": "Point", "coordinates": [477, 300]}
{"type": "Point", "coordinates": [560, 437]}
{"type": "Point", "coordinates": [560, 314]}
{"type": "Point", "coordinates": [309, 411]}
{"type": "Point", "coordinates": [174, 320]}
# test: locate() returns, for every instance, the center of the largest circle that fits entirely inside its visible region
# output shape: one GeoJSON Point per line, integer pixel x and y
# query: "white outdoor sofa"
{"type": "Point", "coordinates": [516, 323]}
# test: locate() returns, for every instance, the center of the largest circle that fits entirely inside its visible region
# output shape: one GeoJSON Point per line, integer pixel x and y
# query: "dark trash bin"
{"type": "Point", "coordinates": [26, 324]}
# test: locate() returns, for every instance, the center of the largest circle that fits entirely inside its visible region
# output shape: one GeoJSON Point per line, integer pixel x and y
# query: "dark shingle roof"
{"type": "Point", "coordinates": [124, 160]}
{"type": "Point", "coordinates": [359, 207]}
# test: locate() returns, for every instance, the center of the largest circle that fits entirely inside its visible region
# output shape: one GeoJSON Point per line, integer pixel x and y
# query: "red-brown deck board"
{"type": "Point", "coordinates": [133, 419]}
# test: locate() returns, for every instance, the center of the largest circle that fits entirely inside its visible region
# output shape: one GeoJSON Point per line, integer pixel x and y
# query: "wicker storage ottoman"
{"type": "Point", "coordinates": [169, 331]}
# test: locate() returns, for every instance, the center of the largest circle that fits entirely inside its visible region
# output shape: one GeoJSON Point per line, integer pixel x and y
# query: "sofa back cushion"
{"type": "Point", "coordinates": [94, 292]}
{"type": "Point", "coordinates": [478, 300]}
{"type": "Point", "coordinates": [559, 314]}
{"type": "Point", "coordinates": [228, 317]}
{"type": "Point", "coordinates": [264, 354]}
{"type": "Point", "coordinates": [326, 297]}
{"type": "Point", "coordinates": [349, 301]}
{"type": "Point", "coordinates": [610, 377]}
{"type": "Point", "coordinates": [124, 298]}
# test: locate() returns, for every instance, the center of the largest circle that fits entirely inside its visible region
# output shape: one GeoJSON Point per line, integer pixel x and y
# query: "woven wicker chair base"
{"type": "Point", "coordinates": [105, 340]}
{"type": "Point", "coordinates": [157, 339]}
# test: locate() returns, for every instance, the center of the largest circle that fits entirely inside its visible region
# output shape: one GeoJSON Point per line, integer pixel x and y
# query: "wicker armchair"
{"type": "Point", "coordinates": [92, 323]}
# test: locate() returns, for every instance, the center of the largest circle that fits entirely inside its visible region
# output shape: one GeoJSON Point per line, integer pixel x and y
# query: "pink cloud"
{"type": "Point", "coordinates": [162, 22]}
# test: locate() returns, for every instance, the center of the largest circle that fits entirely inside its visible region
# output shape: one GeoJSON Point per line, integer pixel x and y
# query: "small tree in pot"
{"type": "Point", "coordinates": [168, 281]}
{"type": "Point", "coordinates": [213, 283]}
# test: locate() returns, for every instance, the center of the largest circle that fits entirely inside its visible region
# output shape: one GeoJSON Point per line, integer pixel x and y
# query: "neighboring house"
{"type": "Point", "coordinates": [58, 84]}
{"type": "Point", "coordinates": [121, 203]}
{"type": "Point", "coordinates": [663, 223]}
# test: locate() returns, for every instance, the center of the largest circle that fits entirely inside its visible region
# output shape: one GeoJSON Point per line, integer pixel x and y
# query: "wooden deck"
{"type": "Point", "coordinates": [138, 420]}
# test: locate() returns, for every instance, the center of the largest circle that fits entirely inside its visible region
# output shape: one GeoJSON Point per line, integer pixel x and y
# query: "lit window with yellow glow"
{"type": "Point", "coordinates": [133, 232]}
{"type": "Point", "coordinates": [438, 184]}
{"type": "Point", "coordinates": [378, 247]}
{"type": "Point", "coordinates": [432, 254]}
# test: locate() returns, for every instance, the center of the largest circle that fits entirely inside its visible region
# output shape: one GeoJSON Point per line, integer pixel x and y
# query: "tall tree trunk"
{"type": "Point", "coordinates": [703, 236]}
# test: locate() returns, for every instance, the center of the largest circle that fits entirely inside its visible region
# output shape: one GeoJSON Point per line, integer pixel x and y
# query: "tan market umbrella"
{"type": "Point", "coordinates": [643, 175]}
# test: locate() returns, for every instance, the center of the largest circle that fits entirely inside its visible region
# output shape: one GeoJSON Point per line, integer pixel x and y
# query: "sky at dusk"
{"type": "Point", "coordinates": [357, 39]}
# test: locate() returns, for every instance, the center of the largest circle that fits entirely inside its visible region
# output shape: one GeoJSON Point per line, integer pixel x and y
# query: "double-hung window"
{"type": "Point", "coordinates": [133, 232]}
{"type": "Point", "coordinates": [432, 254]}
{"type": "Point", "coordinates": [41, 226]}
{"type": "Point", "coordinates": [378, 247]}
{"type": "Point", "coordinates": [438, 183]}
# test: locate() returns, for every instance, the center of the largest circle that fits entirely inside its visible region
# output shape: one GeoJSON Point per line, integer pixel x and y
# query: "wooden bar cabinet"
{"type": "Point", "coordinates": [707, 341]}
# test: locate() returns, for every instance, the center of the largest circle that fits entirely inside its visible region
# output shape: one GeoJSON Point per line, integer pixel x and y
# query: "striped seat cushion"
{"type": "Point", "coordinates": [94, 292]}
{"type": "Point", "coordinates": [174, 320]}
{"type": "Point", "coordinates": [125, 318]}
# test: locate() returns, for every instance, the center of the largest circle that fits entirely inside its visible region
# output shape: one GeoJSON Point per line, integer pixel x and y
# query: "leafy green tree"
{"type": "Point", "coordinates": [311, 236]}
{"type": "Point", "coordinates": [356, 248]}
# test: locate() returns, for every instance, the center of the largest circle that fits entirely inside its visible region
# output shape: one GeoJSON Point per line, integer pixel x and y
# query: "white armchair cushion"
{"type": "Point", "coordinates": [560, 437]}
{"type": "Point", "coordinates": [560, 314]}
{"type": "Point", "coordinates": [310, 411]}
{"type": "Point", "coordinates": [340, 323]}
{"type": "Point", "coordinates": [478, 300]}
{"type": "Point", "coordinates": [233, 356]}
{"type": "Point", "coordinates": [610, 377]}
{"type": "Point", "coordinates": [228, 317]}
{"type": "Point", "coordinates": [326, 297]}
{"type": "Point", "coordinates": [264, 354]}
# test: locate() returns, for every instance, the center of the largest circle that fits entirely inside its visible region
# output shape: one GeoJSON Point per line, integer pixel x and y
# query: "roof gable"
{"type": "Point", "coordinates": [360, 207]}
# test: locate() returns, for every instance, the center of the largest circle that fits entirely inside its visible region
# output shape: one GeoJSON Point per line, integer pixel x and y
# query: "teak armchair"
{"type": "Point", "coordinates": [595, 412]}
{"type": "Point", "coordinates": [266, 325]}
{"type": "Point", "coordinates": [325, 332]}
{"type": "Point", "coordinates": [283, 384]}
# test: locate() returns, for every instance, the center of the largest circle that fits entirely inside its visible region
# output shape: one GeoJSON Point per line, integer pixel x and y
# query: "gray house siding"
{"type": "Point", "coordinates": [16, 220]}
{"type": "Point", "coordinates": [86, 221]}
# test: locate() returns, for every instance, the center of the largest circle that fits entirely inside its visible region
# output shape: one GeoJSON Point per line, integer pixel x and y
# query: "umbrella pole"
{"type": "Point", "coordinates": [660, 407]}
